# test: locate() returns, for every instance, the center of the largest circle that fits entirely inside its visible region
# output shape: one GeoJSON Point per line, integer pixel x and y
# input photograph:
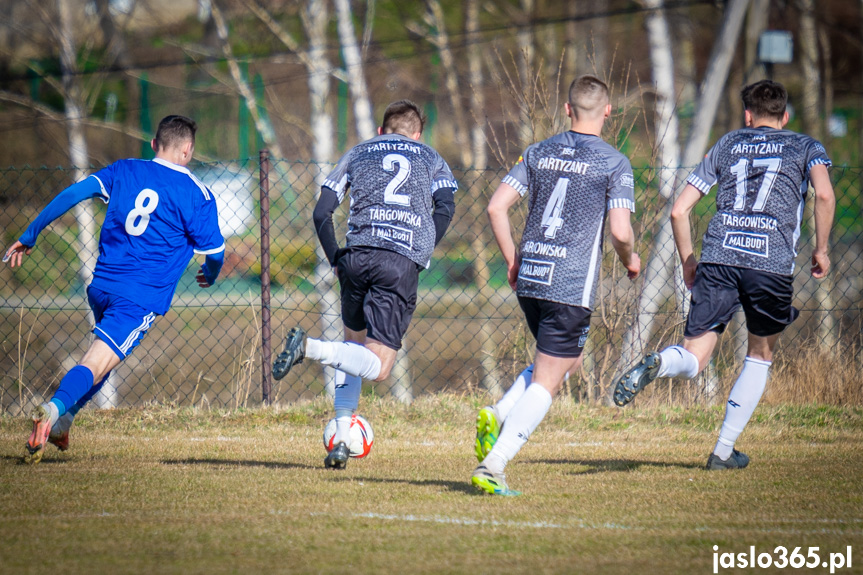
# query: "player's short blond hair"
{"type": "Point", "coordinates": [403, 117]}
{"type": "Point", "coordinates": [588, 96]}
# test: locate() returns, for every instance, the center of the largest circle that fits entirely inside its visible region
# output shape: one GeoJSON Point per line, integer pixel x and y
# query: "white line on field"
{"type": "Point", "coordinates": [587, 525]}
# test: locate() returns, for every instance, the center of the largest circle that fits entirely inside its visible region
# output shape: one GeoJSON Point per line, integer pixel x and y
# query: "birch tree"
{"type": "Point", "coordinates": [401, 388]}
{"type": "Point", "coordinates": [813, 126]}
{"type": "Point", "coordinates": [661, 269]}
{"type": "Point", "coordinates": [262, 123]}
{"type": "Point", "coordinates": [491, 376]}
{"type": "Point", "coordinates": [85, 216]}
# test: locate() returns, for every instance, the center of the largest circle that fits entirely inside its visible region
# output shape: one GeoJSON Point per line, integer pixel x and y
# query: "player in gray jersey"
{"type": "Point", "coordinates": [572, 180]}
{"type": "Point", "coordinates": [762, 173]}
{"type": "Point", "coordinates": [401, 204]}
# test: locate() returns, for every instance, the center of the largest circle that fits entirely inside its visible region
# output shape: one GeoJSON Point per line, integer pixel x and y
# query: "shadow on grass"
{"type": "Point", "coordinates": [609, 465]}
{"type": "Point", "coordinates": [458, 486]}
{"type": "Point", "coordinates": [19, 460]}
{"type": "Point", "coordinates": [238, 463]}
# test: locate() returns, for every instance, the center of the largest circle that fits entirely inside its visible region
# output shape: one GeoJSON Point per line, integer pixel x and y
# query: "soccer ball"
{"type": "Point", "coordinates": [361, 436]}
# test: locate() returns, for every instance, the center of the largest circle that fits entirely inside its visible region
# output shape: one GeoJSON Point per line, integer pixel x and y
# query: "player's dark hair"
{"type": "Point", "coordinates": [587, 93]}
{"type": "Point", "coordinates": [403, 117]}
{"type": "Point", "coordinates": [175, 130]}
{"type": "Point", "coordinates": [765, 99]}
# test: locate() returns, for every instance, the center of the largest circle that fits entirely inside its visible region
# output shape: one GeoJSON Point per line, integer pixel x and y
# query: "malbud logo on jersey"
{"type": "Point", "coordinates": [627, 181]}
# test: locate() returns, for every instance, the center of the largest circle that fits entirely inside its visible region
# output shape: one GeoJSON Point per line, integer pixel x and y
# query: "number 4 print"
{"type": "Point", "coordinates": [740, 170]}
{"type": "Point", "coordinates": [551, 218]}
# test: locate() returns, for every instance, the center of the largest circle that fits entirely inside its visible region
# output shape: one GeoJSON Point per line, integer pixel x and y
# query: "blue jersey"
{"type": "Point", "coordinates": [159, 214]}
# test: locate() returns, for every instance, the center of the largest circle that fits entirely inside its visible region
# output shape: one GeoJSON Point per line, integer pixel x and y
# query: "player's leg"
{"type": "Point", "coordinates": [491, 417]}
{"type": "Point", "coordinates": [766, 300]}
{"type": "Point", "coordinates": [59, 435]}
{"type": "Point", "coordinates": [98, 361]}
{"type": "Point", "coordinates": [714, 301]}
{"type": "Point", "coordinates": [525, 417]}
{"type": "Point", "coordinates": [378, 300]}
{"type": "Point", "coordinates": [561, 333]}
{"type": "Point", "coordinates": [120, 327]}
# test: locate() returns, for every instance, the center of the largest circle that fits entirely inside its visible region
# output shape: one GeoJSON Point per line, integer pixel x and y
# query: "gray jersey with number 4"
{"type": "Point", "coordinates": [762, 176]}
{"type": "Point", "coordinates": [572, 180]}
{"type": "Point", "coordinates": [392, 179]}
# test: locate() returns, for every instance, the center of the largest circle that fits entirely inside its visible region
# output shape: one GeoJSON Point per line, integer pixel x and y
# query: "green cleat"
{"type": "Point", "coordinates": [491, 483]}
{"type": "Point", "coordinates": [487, 432]}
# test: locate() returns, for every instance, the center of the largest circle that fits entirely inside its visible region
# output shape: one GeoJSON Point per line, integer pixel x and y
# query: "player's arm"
{"type": "Point", "coordinates": [444, 209]}
{"type": "Point", "coordinates": [210, 270]}
{"type": "Point", "coordinates": [504, 197]}
{"type": "Point", "coordinates": [65, 200]}
{"type": "Point", "coordinates": [683, 233]}
{"type": "Point", "coordinates": [825, 210]}
{"type": "Point", "coordinates": [323, 218]}
{"type": "Point", "coordinates": [623, 240]}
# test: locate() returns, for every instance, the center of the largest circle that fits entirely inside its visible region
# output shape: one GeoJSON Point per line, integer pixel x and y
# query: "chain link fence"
{"type": "Point", "coordinates": [467, 334]}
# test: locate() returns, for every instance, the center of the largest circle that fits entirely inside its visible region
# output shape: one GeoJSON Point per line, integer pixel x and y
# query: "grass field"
{"type": "Point", "coordinates": [178, 490]}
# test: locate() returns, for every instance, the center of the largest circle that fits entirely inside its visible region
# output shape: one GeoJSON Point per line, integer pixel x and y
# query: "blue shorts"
{"type": "Point", "coordinates": [120, 323]}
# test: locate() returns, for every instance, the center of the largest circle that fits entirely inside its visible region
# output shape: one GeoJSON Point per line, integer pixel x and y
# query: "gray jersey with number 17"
{"type": "Point", "coordinates": [762, 176]}
{"type": "Point", "coordinates": [392, 180]}
{"type": "Point", "coordinates": [572, 180]}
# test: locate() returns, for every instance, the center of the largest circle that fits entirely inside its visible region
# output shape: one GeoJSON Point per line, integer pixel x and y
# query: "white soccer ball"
{"type": "Point", "coordinates": [361, 436]}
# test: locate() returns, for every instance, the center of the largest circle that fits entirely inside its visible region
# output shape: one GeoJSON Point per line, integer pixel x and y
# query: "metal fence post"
{"type": "Point", "coordinates": [266, 331]}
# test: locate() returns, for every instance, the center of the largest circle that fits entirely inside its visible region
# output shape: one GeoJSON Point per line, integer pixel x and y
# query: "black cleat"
{"type": "Point", "coordinates": [736, 460]}
{"type": "Point", "coordinates": [633, 381]}
{"type": "Point", "coordinates": [294, 352]}
{"type": "Point", "coordinates": [338, 457]}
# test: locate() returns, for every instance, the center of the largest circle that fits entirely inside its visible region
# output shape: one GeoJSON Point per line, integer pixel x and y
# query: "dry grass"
{"type": "Point", "coordinates": [180, 490]}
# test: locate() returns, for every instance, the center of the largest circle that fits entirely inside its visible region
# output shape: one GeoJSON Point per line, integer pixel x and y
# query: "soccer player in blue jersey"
{"type": "Point", "coordinates": [401, 203]}
{"type": "Point", "coordinates": [762, 173]}
{"type": "Point", "coordinates": [158, 215]}
{"type": "Point", "coordinates": [573, 181]}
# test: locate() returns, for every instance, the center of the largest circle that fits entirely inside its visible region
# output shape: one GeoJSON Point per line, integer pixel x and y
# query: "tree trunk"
{"type": "Point", "coordinates": [526, 54]}
{"type": "Point", "coordinates": [658, 272]}
{"type": "Point", "coordinates": [315, 20]}
{"type": "Point", "coordinates": [354, 68]}
{"type": "Point", "coordinates": [87, 246]}
{"type": "Point", "coordinates": [813, 126]}
{"type": "Point", "coordinates": [262, 123]}
{"type": "Point", "coordinates": [401, 388]}
{"type": "Point", "coordinates": [491, 376]}
{"type": "Point", "coordinates": [756, 23]}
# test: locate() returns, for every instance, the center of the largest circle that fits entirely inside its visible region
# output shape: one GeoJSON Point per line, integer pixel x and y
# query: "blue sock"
{"type": "Point", "coordinates": [74, 385]}
{"type": "Point", "coordinates": [87, 396]}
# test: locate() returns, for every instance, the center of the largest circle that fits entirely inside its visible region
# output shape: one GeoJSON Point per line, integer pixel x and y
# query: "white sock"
{"type": "Point", "coordinates": [524, 418]}
{"type": "Point", "coordinates": [352, 358]}
{"type": "Point", "coordinates": [677, 361]}
{"type": "Point", "coordinates": [742, 401]}
{"type": "Point", "coordinates": [513, 394]}
{"type": "Point", "coordinates": [343, 430]}
{"type": "Point", "coordinates": [53, 412]}
{"type": "Point", "coordinates": [347, 399]}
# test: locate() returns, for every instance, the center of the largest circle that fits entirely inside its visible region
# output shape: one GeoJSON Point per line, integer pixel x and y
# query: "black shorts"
{"type": "Point", "coordinates": [560, 330]}
{"type": "Point", "coordinates": [379, 293]}
{"type": "Point", "coordinates": [719, 290]}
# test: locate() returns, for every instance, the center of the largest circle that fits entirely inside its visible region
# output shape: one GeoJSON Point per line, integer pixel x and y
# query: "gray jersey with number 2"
{"type": "Point", "coordinates": [392, 179]}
